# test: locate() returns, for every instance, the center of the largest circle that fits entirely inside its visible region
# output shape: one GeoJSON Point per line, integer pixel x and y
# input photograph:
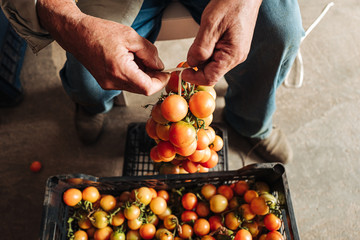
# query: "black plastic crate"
{"type": "Point", "coordinates": [137, 161]}
{"type": "Point", "coordinates": [55, 212]}
{"type": "Point", "coordinates": [12, 51]}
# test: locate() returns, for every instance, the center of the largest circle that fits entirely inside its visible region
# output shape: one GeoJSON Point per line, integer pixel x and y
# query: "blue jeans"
{"type": "Point", "coordinates": [250, 98]}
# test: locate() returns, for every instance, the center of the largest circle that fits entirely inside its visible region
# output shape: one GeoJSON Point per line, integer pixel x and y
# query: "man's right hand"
{"type": "Point", "coordinates": [114, 54]}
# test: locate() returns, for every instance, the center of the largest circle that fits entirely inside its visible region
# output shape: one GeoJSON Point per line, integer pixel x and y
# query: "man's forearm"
{"type": "Point", "coordinates": [61, 19]}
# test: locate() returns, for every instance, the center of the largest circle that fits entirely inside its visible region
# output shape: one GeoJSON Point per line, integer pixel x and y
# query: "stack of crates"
{"type": "Point", "coordinates": [12, 51]}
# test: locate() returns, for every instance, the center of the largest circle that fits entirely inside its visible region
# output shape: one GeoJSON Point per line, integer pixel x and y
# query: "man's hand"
{"type": "Point", "coordinates": [113, 53]}
{"type": "Point", "coordinates": [223, 40]}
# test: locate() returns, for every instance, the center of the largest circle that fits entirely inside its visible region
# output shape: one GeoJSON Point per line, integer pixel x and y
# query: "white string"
{"type": "Point", "coordinates": [181, 69]}
{"type": "Point", "coordinates": [299, 56]}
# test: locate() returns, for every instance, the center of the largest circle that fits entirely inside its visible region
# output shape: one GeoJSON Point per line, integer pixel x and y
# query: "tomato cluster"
{"type": "Point", "coordinates": [180, 124]}
{"type": "Point", "coordinates": [233, 211]}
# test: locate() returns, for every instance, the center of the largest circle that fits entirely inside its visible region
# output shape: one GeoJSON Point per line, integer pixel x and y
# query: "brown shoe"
{"type": "Point", "coordinates": [275, 148]}
{"type": "Point", "coordinates": [88, 126]}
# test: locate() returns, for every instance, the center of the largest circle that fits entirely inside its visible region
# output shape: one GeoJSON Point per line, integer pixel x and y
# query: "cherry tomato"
{"type": "Point", "coordinates": [202, 209]}
{"type": "Point", "coordinates": [132, 212]}
{"type": "Point", "coordinates": [259, 206]}
{"type": "Point", "coordinates": [152, 218]}
{"type": "Point", "coordinates": [253, 228]}
{"type": "Point", "coordinates": [164, 194]}
{"type": "Point", "coordinates": [118, 219]}
{"type": "Point", "coordinates": [218, 203]}
{"type": "Point", "coordinates": [156, 114]}
{"type": "Point", "coordinates": [241, 187]}
{"type": "Point", "coordinates": [209, 89]}
{"type": "Point", "coordinates": [213, 160]}
{"type": "Point", "coordinates": [35, 166]}
{"type": "Point", "coordinates": [197, 156]}
{"type": "Point", "coordinates": [100, 219]}
{"type": "Point", "coordinates": [103, 233]}
{"type": "Point", "coordinates": [250, 195]}
{"type": "Point", "coordinates": [134, 224]}
{"type": "Point", "coordinates": [72, 196]}
{"type": "Point", "coordinates": [165, 213]}
{"type": "Point", "coordinates": [217, 144]}
{"type": "Point", "coordinates": [243, 234]}
{"type": "Point", "coordinates": [90, 232]}
{"type": "Point", "coordinates": [162, 131]}
{"type": "Point", "coordinates": [189, 201]}
{"type": "Point", "coordinates": [158, 205]}
{"type": "Point", "coordinates": [186, 231]}
{"type": "Point", "coordinates": [207, 237]}
{"type": "Point", "coordinates": [154, 154]}
{"type": "Point", "coordinates": [226, 191]}
{"type": "Point", "coordinates": [207, 120]}
{"type": "Point", "coordinates": [234, 203]}
{"type": "Point", "coordinates": [165, 235]}
{"type": "Point", "coordinates": [170, 222]}
{"type": "Point", "coordinates": [203, 140]}
{"type": "Point", "coordinates": [133, 235]}
{"type": "Point", "coordinates": [188, 216]}
{"type": "Point", "coordinates": [201, 227]}
{"type": "Point", "coordinates": [272, 222]}
{"type": "Point", "coordinates": [84, 222]}
{"type": "Point", "coordinates": [144, 195]}
{"type": "Point", "coordinates": [147, 231]}
{"type": "Point", "coordinates": [274, 235]}
{"type": "Point", "coordinates": [80, 235]}
{"type": "Point", "coordinates": [125, 196]}
{"type": "Point", "coordinates": [166, 150]}
{"type": "Point", "coordinates": [187, 150]}
{"type": "Point", "coordinates": [169, 168]}
{"type": "Point", "coordinates": [174, 108]}
{"type": "Point", "coordinates": [246, 212]}
{"type": "Point", "coordinates": [117, 236]}
{"type": "Point", "coordinates": [90, 194]}
{"type": "Point", "coordinates": [207, 155]}
{"type": "Point", "coordinates": [232, 221]}
{"type": "Point", "coordinates": [182, 134]}
{"type": "Point", "coordinates": [211, 133]}
{"type": "Point", "coordinates": [215, 222]}
{"type": "Point", "coordinates": [189, 166]}
{"type": "Point", "coordinates": [108, 202]}
{"type": "Point", "coordinates": [150, 128]}
{"type": "Point", "coordinates": [202, 104]}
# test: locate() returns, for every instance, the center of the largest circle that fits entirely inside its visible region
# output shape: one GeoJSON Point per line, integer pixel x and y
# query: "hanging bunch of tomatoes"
{"type": "Point", "coordinates": [207, 212]}
{"type": "Point", "coordinates": [180, 124]}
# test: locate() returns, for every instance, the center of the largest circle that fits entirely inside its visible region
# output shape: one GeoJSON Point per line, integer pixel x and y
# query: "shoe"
{"type": "Point", "coordinates": [275, 148]}
{"type": "Point", "coordinates": [88, 126]}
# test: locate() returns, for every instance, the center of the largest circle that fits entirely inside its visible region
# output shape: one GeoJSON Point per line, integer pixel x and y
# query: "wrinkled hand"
{"type": "Point", "coordinates": [113, 53]}
{"type": "Point", "coordinates": [119, 58]}
{"type": "Point", "coordinates": [223, 40]}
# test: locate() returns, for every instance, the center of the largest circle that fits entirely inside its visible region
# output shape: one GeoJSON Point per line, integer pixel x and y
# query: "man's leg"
{"type": "Point", "coordinates": [92, 101]}
{"type": "Point", "coordinates": [250, 99]}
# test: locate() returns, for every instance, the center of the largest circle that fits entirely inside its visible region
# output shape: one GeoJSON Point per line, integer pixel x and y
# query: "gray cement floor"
{"type": "Point", "coordinates": [321, 120]}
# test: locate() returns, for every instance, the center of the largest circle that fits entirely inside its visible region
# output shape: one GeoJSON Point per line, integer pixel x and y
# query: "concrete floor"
{"type": "Point", "coordinates": [321, 120]}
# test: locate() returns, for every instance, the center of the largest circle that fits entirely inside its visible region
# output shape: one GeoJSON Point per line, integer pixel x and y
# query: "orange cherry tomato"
{"type": "Point", "coordinates": [203, 140]}
{"type": "Point", "coordinates": [182, 134]}
{"type": "Point", "coordinates": [174, 108]}
{"type": "Point", "coordinates": [201, 227]}
{"type": "Point", "coordinates": [272, 222]}
{"type": "Point", "coordinates": [217, 144]}
{"type": "Point", "coordinates": [202, 104]}
{"type": "Point", "coordinates": [72, 196]}
{"type": "Point", "coordinates": [90, 194]}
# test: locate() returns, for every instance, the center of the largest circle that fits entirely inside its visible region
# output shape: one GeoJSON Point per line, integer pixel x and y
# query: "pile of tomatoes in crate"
{"type": "Point", "coordinates": [242, 210]}
{"type": "Point", "coordinates": [180, 124]}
